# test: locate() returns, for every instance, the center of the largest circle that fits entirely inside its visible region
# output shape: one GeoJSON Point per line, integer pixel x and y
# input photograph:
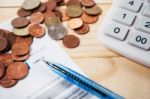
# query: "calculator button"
{"type": "Point", "coordinates": [117, 31]}
{"type": "Point", "coordinates": [144, 24]}
{"type": "Point", "coordinates": [140, 40]}
{"type": "Point", "coordinates": [123, 16]}
{"type": "Point", "coordinates": [147, 11]}
{"type": "Point", "coordinates": [132, 5]}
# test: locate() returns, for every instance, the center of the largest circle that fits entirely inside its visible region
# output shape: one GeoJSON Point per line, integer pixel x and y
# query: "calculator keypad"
{"type": "Point", "coordinates": [140, 40]}
{"type": "Point", "coordinates": [132, 5]}
{"type": "Point", "coordinates": [124, 17]}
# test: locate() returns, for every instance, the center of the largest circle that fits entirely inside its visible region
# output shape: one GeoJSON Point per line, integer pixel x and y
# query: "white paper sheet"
{"type": "Point", "coordinates": [42, 83]}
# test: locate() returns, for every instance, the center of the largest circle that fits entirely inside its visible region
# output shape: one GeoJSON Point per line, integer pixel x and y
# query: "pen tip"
{"type": "Point", "coordinates": [45, 61]}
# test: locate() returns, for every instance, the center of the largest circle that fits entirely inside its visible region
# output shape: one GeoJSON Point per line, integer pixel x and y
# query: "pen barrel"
{"type": "Point", "coordinates": [85, 83]}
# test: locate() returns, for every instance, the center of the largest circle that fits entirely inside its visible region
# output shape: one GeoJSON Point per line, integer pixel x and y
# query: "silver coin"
{"type": "Point", "coordinates": [21, 31]}
{"type": "Point", "coordinates": [57, 31]}
{"type": "Point", "coordinates": [30, 4]}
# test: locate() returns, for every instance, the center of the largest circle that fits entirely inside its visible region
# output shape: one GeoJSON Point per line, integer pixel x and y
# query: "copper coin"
{"type": "Point", "coordinates": [89, 19]}
{"type": "Point", "coordinates": [26, 39]}
{"type": "Point", "coordinates": [48, 14]}
{"type": "Point", "coordinates": [20, 48]}
{"type": "Point", "coordinates": [41, 8]}
{"type": "Point", "coordinates": [51, 5]}
{"type": "Point", "coordinates": [36, 18]}
{"type": "Point", "coordinates": [24, 13]}
{"type": "Point", "coordinates": [6, 59]}
{"type": "Point", "coordinates": [17, 70]}
{"type": "Point", "coordinates": [74, 11]}
{"type": "Point", "coordinates": [3, 43]}
{"type": "Point", "coordinates": [36, 30]}
{"type": "Point", "coordinates": [71, 41]}
{"type": "Point", "coordinates": [20, 58]}
{"type": "Point", "coordinates": [20, 22]}
{"type": "Point", "coordinates": [95, 10]}
{"type": "Point", "coordinates": [75, 23]}
{"type": "Point", "coordinates": [10, 38]}
{"type": "Point", "coordinates": [87, 3]}
{"type": "Point", "coordinates": [83, 30]}
{"type": "Point", "coordinates": [51, 21]}
{"type": "Point", "coordinates": [57, 31]}
{"type": "Point", "coordinates": [59, 1]}
{"type": "Point", "coordinates": [73, 2]}
{"type": "Point", "coordinates": [7, 82]}
{"type": "Point", "coordinates": [65, 17]}
{"type": "Point", "coordinates": [2, 33]}
{"type": "Point", "coordinates": [2, 70]}
{"type": "Point", "coordinates": [31, 4]}
{"type": "Point", "coordinates": [58, 14]}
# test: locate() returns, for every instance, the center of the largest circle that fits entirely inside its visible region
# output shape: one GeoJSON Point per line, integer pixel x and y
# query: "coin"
{"type": "Point", "coordinates": [7, 82]}
{"type": "Point", "coordinates": [17, 70]}
{"type": "Point", "coordinates": [73, 2]}
{"type": "Point", "coordinates": [71, 41]}
{"type": "Point", "coordinates": [24, 13]}
{"type": "Point", "coordinates": [21, 31]}
{"type": "Point", "coordinates": [51, 5]}
{"type": "Point", "coordinates": [75, 23]}
{"type": "Point", "coordinates": [87, 3]}
{"type": "Point", "coordinates": [30, 4]}
{"type": "Point", "coordinates": [20, 48]}
{"type": "Point", "coordinates": [95, 10]}
{"type": "Point", "coordinates": [3, 44]}
{"type": "Point", "coordinates": [89, 19]}
{"type": "Point", "coordinates": [41, 8]}
{"type": "Point", "coordinates": [36, 30]}
{"type": "Point", "coordinates": [65, 17]}
{"type": "Point", "coordinates": [48, 14]}
{"type": "Point", "coordinates": [59, 1]}
{"type": "Point", "coordinates": [20, 58]}
{"type": "Point", "coordinates": [2, 70]}
{"type": "Point", "coordinates": [74, 11]}
{"type": "Point", "coordinates": [57, 31]}
{"type": "Point", "coordinates": [36, 18]}
{"type": "Point", "coordinates": [2, 33]}
{"type": "Point", "coordinates": [83, 30]}
{"type": "Point", "coordinates": [20, 22]}
{"type": "Point", "coordinates": [58, 14]}
{"type": "Point", "coordinates": [51, 21]}
{"type": "Point", "coordinates": [6, 59]}
{"type": "Point", "coordinates": [26, 39]}
{"type": "Point", "coordinates": [10, 38]}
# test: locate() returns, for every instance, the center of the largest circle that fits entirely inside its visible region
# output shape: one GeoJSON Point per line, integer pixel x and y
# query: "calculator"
{"type": "Point", "coordinates": [126, 30]}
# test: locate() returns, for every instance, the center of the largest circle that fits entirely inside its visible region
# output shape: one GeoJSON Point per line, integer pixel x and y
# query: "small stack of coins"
{"type": "Point", "coordinates": [28, 24]}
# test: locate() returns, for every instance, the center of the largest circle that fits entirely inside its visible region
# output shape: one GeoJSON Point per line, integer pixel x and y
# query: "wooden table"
{"type": "Point", "coordinates": [111, 70]}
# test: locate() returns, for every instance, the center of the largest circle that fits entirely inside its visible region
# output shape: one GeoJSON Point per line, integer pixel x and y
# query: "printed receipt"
{"type": "Point", "coordinates": [42, 83]}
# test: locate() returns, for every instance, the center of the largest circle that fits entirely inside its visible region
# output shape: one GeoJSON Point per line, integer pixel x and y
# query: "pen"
{"type": "Point", "coordinates": [81, 81]}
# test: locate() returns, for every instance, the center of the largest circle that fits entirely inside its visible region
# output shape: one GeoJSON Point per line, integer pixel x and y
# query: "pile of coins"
{"type": "Point", "coordinates": [15, 45]}
{"type": "Point", "coordinates": [12, 69]}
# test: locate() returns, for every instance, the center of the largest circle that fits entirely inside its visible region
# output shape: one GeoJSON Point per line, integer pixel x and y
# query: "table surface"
{"type": "Point", "coordinates": [109, 69]}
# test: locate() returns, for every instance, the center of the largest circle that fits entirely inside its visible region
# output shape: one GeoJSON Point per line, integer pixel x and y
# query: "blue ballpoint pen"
{"type": "Point", "coordinates": [83, 82]}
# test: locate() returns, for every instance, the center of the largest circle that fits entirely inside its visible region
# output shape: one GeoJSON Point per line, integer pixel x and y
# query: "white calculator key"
{"type": "Point", "coordinates": [123, 16]}
{"type": "Point", "coordinates": [117, 31]}
{"type": "Point", "coordinates": [144, 24]}
{"type": "Point", "coordinates": [132, 5]}
{"type": "Point", "coordinates": [147, 11]}
{"type": "Point", "coordinates": [140, 40]}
